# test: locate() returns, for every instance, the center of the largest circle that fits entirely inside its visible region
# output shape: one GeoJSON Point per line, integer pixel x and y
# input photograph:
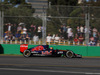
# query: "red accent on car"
{"type": "Point", "coordinates": [55, 51]}
{"type": "Point", "coordinates": [38, 48]}
{"type": "Point", "coordinates": [23, 47]}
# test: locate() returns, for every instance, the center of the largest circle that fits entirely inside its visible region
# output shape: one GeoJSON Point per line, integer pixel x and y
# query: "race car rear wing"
{"type": "Point", "coordinates": [23, 47]}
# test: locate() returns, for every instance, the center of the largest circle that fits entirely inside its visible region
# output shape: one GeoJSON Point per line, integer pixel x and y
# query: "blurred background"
{"type": "Point", "coordinates": [53, 22]}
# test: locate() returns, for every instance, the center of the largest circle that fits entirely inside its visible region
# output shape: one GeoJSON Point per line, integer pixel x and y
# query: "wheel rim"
{"type": "Point", "coordinates": [26, 53]}
{"type": "Point", "coordinates": [69, 54]}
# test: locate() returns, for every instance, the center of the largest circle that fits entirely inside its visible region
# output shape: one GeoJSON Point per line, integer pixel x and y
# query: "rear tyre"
{"type": "Point", "coordinates": [69, 54]}
{"type": "Point", "coordinates": [26, 53]}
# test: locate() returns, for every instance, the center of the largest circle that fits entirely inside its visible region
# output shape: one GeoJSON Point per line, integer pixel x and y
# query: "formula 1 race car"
{"type": "Point", "coordinates": [44, 50]}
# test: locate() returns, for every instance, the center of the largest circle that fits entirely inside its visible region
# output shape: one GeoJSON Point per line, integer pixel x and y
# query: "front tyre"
{"type": "Point", "coordinates": [26, 53]}
{"type": "Point", "coordinates": [69, 54]}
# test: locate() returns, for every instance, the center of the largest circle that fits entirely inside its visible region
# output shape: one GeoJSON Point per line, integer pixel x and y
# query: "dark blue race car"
{"type": "Point", "coordinates": [44, 50]}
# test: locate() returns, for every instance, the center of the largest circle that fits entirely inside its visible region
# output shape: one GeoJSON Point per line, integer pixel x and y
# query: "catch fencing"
{"type": "Point", "coordinates": [56, 25]}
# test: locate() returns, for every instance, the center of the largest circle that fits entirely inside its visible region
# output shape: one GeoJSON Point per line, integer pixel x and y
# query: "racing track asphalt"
{"type": "Point", "coordinates": [18, 65]}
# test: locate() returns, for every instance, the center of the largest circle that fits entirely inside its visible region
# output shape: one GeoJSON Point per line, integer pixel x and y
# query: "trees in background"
{"type": "Point", "coordinates": [18, 1]}
{"type": "Point", "coordinates": [19, 8]}
{"type": "Point", "coordinates": [71, 12]}
{"type": "Point", "coordinates": [16, 11]}
{"type": "Point", "coordinates": [64, 2]}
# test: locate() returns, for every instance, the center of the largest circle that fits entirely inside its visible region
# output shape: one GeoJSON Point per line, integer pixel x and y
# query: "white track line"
{"type": "Point", "coordinates": [53, 71]}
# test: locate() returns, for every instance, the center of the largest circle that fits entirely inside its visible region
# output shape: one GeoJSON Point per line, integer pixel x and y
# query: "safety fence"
{"type": "Point", "coordinates": [57, 25]}
{"type": "Point", "coordinates": [39, 42]}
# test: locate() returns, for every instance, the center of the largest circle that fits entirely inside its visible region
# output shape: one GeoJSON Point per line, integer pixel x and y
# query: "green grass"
{"type": "Point", "coordinates": [10, 54]}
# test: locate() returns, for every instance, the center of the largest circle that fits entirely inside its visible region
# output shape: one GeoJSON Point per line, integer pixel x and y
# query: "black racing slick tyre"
{"type": "Point", "coordinates": [26, 53]}
{"type": "Point", "coordinates": [69, 54]}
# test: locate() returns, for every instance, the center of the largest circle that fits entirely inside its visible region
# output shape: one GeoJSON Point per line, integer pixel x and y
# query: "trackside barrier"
{"type": "Point", "coordinates": [83, 50]}
{"type": "Point", "coordinates": [31, 42]}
